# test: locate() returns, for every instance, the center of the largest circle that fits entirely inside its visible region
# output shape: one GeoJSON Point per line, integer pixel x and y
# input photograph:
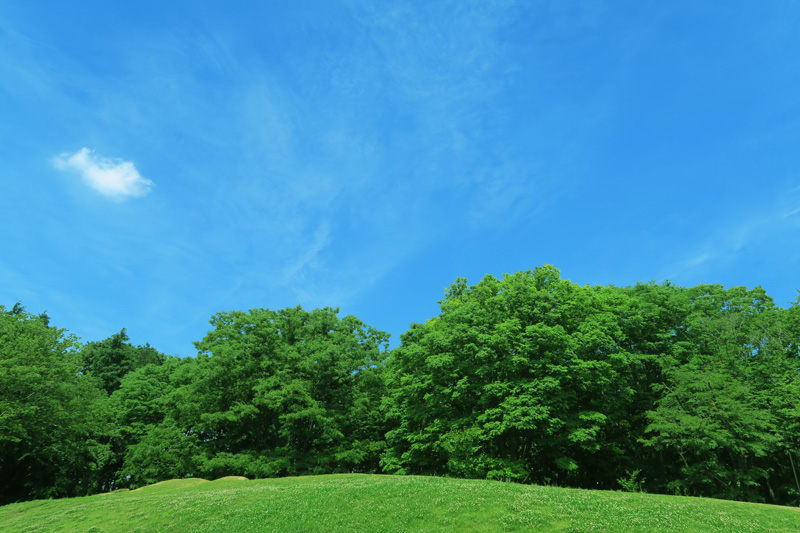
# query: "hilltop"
{"type": "Point", "coordinates": [354, 502]}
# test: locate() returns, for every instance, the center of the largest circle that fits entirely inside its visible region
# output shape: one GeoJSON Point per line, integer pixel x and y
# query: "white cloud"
{"type": "Point", "coordinates": [114, 178]}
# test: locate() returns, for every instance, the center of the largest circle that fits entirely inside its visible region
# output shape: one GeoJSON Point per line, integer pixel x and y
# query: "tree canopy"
{"type": "Point", "coordinates": [528, 378]}
{"type": "Point", "coordinates": [54, 422]}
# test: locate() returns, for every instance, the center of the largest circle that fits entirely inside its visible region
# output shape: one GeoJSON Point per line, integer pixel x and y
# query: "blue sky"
{"type": "Point", "coordinates": [164, 161]}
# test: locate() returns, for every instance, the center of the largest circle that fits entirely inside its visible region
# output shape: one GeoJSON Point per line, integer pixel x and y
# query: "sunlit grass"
{"type": "Point", "coordinates": [386, 503]}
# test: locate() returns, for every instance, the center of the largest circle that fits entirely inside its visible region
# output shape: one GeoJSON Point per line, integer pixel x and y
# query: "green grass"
{"type": "Point", "coordinates": [353, 502]}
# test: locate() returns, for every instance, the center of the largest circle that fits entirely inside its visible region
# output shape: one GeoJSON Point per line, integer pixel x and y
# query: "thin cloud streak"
{"type": "Point", "coordinates": [113, 178]}
{"type": "Point", "coordinates": [728, 243]}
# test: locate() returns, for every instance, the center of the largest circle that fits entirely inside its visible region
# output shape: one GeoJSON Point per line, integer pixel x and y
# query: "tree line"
{"type": "Point", "coordinates": [530, 378]}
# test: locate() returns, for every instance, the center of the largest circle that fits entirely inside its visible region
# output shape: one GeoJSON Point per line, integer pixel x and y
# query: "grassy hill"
{"type": "Point", "coordinates": [353, 502]}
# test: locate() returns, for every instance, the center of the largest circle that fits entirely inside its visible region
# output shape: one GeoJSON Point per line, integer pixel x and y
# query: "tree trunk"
{"type": "Point", "coordinates": [794, 470]}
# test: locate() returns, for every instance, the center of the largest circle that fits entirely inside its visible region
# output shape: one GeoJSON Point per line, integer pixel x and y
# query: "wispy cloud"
{"type": "Point", "coordinates": [767, 235]}
{"type": "Point", "coordinates": [698, 259]}
{"type": "Point", "coordinates": [307, 257]}
{"type": "Point", "coordinates": [113, 178]}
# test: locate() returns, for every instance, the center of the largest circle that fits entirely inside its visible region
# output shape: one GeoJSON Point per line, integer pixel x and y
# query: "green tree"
{"type": "Point", "coordinates": [111, 359]}
{"type": "Point", "coordinates": [521, 378]}
{"type": "Point", "coordinates": [713, 425]}
{"type": "Point", "coordinates": [280, 391]}
{"type": "Point", "coordinates": [54, 422]}
{"type": "Point", "coordinates": [146, 400]}
{"type": "Point", "coordinates": [165, 451]}
{"type": "Point", "coordinates": [722, 412]}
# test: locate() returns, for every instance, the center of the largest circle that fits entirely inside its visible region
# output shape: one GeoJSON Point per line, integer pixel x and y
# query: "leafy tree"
{"type": "Point", "coordinates": [54, 423]}
{"type": "Point", "coordinates": [529, 378]}
{"type": "Point", "coordinates": [280, 391]}
{"type": "Point", "coordinates": [712, 424]}
{"type": "Point", "coordinates": [521, 378]}
{"type": "Point", "coordinates": [112, 358]}
{"type": "Point", "coordinates": [771, 366]}
{"type": "Point", "coordinates": [165, 451]}
{"type": "Point", "coordinates": [718, 425]}
{"type": "Point", "coordinates": [146, 400]}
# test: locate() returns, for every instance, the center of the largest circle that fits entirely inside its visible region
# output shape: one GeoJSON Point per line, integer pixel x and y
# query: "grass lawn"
{"type": "Point", "coordinates": [353, 502]}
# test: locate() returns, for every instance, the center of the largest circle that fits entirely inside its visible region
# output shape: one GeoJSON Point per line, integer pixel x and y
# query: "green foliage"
{"type": "Point", "coordinates": [536, 379]}
{"type": "Point", "coordinates": [529, 378]}
{"type": "Point", "coordinates": [711, 423]}
{"type": "Point", "coordinates": [111, 359]}
{"type": "Point", "coordinates": [290, 391]}
{"type": "Point", "coordinates": [144, 398]}
{"type": "Point", "coordinates": [53, 422]}
{"type": "Point", "coordinates": [718, 424]}
{"type": "Point", "coordinates": [164, 452]}
{"type": "Point", "coordinates": [632, 483]}
{"type": "Point", "coordinates": [533, 368]}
